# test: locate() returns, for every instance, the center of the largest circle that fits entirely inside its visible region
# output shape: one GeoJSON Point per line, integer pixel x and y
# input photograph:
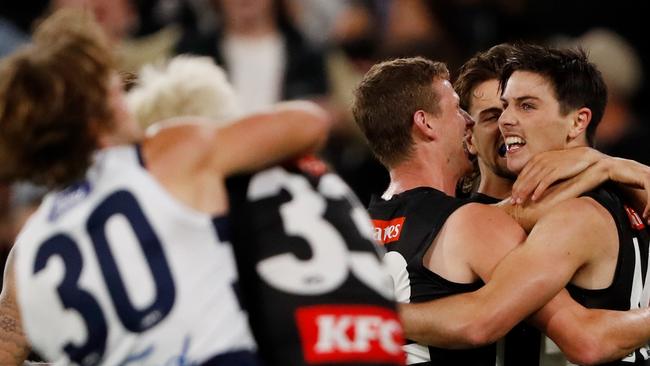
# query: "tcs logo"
{"type": "Point", "coordinates": [388, 231]}
{"type": "Point", "coordinates": [350, 333]}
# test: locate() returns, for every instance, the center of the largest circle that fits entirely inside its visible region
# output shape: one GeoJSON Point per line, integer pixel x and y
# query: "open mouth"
{"type": "Point", "coordinates": [513, 143]}
{"type": "Point", "coordinates": [502, 150]}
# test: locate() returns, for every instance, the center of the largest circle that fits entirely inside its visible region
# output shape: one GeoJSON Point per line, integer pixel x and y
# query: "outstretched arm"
{"type": "Point", "coordinates": [13, 343]}
{"type": "Point", "coordinates": [289, 130]}
{"type": "Point", "coordinates": [259, 140]}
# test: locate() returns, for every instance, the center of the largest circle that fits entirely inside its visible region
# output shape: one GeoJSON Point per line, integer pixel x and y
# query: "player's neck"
{"type": "Point", "coordinates": [426, 172]}
{"type": "Point", "coordinates": [494, 185]}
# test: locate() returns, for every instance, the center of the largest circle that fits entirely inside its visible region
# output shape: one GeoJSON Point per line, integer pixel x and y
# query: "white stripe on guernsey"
{"type": "Point", "coordinates": [501, 352]}
{"type": "Point", "coordinates": [396, 265]}
{"type": "Point", "coordinates": [416, 353]}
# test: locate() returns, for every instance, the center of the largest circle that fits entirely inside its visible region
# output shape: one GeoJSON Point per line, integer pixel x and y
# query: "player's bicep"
{"type": "Point", "coordinates": [14, 347]}
{"type": "Point", "coordinates": [488, 235]}
{"type": "Point", "coordinates": [549, 258]}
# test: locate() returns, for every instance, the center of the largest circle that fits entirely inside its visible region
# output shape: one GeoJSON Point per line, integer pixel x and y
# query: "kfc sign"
{"type": "Point", "coordinates": [350, 334]}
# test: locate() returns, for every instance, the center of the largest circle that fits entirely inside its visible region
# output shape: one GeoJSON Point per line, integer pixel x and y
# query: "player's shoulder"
{"type": "Point", "coordinates": [477, 222]}
{"type": "Point", "coordinates": [181, 142]}
{"type": "Point", "coordinates": [481, 214]}
{"type": "Point", "coordinates": [579, 212]}
{"type": "Point", "coordinates": [180, 130]}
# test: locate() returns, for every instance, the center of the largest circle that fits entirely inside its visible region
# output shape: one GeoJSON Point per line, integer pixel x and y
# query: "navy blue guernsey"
{"type": "Point", "coordinates": [310, 274]}
{"type": "Point", "coordinates": [407, 225]}
{"type": "Point", "coordinates": [630, 288]}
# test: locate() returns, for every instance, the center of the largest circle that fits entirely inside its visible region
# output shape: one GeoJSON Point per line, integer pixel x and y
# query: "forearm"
{"type": "Point", "coordinates": [634, 180]}
{"type": "Point", "coordinates": [13, 346]}
{"type": "Point", "coordinates": [591, 336]}
{"type": "Point", "coordinates": [600, 335]}
{"type": "Point", "coordinates": [517, 289]}
{"type": "Point", "coordinates": [444, 323]}
{"type": "Point", "coordinates": [529, 213]}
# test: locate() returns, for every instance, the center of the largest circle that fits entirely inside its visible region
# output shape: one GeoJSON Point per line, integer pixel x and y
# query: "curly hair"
{"type": "Point", "coordinates": [53, 101]}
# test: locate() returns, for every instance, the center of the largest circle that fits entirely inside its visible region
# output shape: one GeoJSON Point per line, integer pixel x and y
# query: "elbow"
{"type": "Point", "coordinates": [481, 332]}
{"type": "Point", "coordinates": [586, 351]}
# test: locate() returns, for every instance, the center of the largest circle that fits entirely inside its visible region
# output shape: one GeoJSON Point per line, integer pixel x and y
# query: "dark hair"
{"type": "Point", "coordinates": [576, 82]}
{"type": "Point", "coordinates": [482, 67]}
{"type": "Point", "coordinates": [386, 99]}
{"type": "Point", "coordinates": [53, 98]}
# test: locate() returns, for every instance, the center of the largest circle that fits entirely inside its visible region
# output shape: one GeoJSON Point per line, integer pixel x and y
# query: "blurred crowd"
{"type": "Point", "coordinates": [276, 50]}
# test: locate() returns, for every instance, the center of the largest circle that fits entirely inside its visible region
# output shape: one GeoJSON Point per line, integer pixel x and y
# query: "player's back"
{"type": "Point", "coordinates": [311, 275]}
{"type": "Point", "coordinates": [407, 225]}
{"type": "Point", "coordinates": [114, 271]}
{"type": "Point", "coordinates": [630, 287]}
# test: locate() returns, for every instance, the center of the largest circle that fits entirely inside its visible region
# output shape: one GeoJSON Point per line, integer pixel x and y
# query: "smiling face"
{"type": "Point", "coordinates": [531, 121]}
{"type": "Point", "coordinates": [486, 141]}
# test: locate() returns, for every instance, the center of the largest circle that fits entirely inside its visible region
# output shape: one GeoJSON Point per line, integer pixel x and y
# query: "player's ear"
{"type": "Point", "coordinates": [579, 122]}
{"type": "Point", "coordinates": [469, 141]}
{"type": "Point", "coordinates": [423, 125]}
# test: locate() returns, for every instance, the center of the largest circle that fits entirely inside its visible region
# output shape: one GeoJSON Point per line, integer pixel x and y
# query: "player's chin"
{"type": "Point", "coordinates": [516, 164]}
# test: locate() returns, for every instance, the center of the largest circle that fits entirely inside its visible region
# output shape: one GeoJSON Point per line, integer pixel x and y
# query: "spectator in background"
{"type": "Point", "coordinates": [266, 58]}
{"type": "Point", "coordinates": [16, 18]}
{"type": "Point", "coordinates": [142, 31]}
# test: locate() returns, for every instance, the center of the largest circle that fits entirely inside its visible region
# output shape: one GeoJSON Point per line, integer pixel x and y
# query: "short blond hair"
{"type": "Point", "coordinates": [185, 86]}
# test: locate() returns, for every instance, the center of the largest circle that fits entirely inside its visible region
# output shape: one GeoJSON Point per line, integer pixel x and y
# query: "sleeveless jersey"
{"type": "Point", "coordinates": [407, 225]}
{"type": "Point", "coordinates": [311, 276]}
{"type": "Point", "coordinates": [630, 288]}
{"type": "Point", "coordinates": [522, 344]}
{"type": "Point", "coordinates": [114, 271]}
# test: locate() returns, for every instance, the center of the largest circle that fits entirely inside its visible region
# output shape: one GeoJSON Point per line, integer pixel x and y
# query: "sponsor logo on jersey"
{"type": "Point", "coordinates": [69, 198]}
{"type": "Point", "coordinates": [388, 231]}
{"type": "Point", "coordinates": [635, 219]}
{"type": "Point", "coordinates": [350, 334]}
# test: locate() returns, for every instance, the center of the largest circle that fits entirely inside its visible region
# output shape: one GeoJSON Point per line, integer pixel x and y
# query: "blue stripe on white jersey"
{"type": "Point", "coordinates": [114, 271]}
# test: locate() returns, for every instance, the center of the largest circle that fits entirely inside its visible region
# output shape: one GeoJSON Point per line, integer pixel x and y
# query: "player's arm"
{"type": "Point", "coordinates": [575, 171]}
{"type": "Point", "coordinates": [526, 279]}
{"type": "Point", "coordinates": [470, 239]}
{"type": "Point", "coordinates": [290, 129]}
{"type": "Point", "coordinates": [635, 180]}
{"type": "Point", "coordinates": [14, 347]}
{"type": "Point", "coordinates": [537, 183]}
{"type": "Point", "coordinates": [550, 167]}
{"type": "Point", "coordinates": [592, 336]}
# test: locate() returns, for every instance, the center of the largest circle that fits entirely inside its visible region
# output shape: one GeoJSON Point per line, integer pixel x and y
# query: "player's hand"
{"type": "Point", "coordinates": [549, 167]}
